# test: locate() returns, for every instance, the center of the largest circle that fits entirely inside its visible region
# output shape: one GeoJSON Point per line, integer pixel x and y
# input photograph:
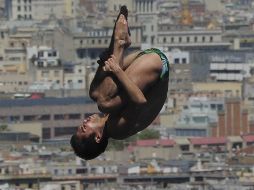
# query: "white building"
{"type": "Point", "coordinates": [196, 116]}
{"type": "Point", "coordinates": [45, 56]}
{"type": "Point", "coordinates": [230, 68]}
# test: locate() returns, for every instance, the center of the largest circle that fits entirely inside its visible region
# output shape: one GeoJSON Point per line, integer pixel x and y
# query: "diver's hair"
{"type": "Point", "coordinates": [88, 148]}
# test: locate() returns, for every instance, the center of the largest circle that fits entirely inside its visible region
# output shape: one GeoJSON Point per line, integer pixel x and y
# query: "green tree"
{"type": "Point", "coordinates": [3, 127]}
{"type": "Point", "coordinates": [148, 134]}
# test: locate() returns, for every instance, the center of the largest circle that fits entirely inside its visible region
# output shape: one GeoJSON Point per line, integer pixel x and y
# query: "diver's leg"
{"type": "Point", "coordinates": [103, 91]}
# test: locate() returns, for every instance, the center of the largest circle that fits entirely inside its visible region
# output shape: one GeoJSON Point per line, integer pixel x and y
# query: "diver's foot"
{"type": "Point", "coordinates": [121, 36]}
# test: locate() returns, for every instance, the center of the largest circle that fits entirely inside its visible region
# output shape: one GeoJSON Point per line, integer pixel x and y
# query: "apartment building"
{"type": "Point", "coordinates": [180, 75]}
{"type": "Point", "coordinates": [89, 45]}
{"type": "Point", "coordinates": [59, 116]}
{"type": "Point", "coordinates": [226, 89]}
{"type": "Point", "coordinates": [40, 9]}
{"type": "Point", "coordinates": [185, 38]}
{"type": "Point", "coordinates": [13, 82]}
{"type": "Point", "coordinates": [230, 67]}
{"type": "Point", "coordinates": [196, 116]}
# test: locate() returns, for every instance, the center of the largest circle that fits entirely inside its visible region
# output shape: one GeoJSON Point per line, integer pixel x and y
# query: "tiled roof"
{"type": "Point", "coordinates": [207, 140]}
{"type": "Point", "coordinates": [155, 142]}
{"type": "Point", "coordinates": [248, 138]}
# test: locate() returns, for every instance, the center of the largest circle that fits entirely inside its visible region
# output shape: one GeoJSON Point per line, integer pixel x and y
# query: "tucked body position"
{"type": "Point", "coordinates": [130, 91]}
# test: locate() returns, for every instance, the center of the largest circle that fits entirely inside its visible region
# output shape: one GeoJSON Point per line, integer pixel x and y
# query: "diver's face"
{"type": "Point", "coordinates": [89, 126]}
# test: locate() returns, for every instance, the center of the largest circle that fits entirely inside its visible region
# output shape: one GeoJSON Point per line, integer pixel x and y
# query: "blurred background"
{"type": "Point", "coordinates": [203, 138]}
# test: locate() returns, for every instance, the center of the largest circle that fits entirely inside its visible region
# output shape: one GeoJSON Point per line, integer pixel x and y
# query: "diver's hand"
{"type": "Point", "coordinates": [112, 65]}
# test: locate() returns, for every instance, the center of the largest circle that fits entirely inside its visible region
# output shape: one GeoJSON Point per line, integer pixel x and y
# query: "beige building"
{"type": "Point", "coordinates": [42, 9]}
{"type": "Point", "coordinates": [227, 89]}
{"type": "Point", "coordinates": [13, 82]}
{"type": "Point", "coordinates": [58, 116]}
{"type": "Point", "coordinates": [32, 128]}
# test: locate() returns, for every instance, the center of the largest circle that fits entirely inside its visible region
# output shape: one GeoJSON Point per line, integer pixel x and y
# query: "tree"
{"type": "Point", "coordinates": [149, 134]}
{"type": "Point", "coordinates": [3, 127]}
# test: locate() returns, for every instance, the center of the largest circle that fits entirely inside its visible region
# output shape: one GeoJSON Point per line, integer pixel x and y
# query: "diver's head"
{"type": "Point", "coordinates": [90, 140]}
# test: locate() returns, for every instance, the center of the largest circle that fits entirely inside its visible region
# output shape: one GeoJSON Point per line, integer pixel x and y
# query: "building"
{"type": "Point", "coordinates": [14, 82]}
{"type": "Point", "coordinates": [59, 116]}
{"type": "Point", "coordinates": [196, 116]}
{"type": "Point", "coordinates": [232, 121]}
{"type": "Point", "coordinates": [231, 68]}
{"type": "Point", "coordinates": [180, 75]}
{"type": "Point", "coordinates": [222, 89]}
{"type": "Point", "coordinates": [172, 36]}
{"type": "Point", "coordinates": [40, 10]}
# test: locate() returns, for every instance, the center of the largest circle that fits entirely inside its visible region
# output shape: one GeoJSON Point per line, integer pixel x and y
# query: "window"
{"type": "Point", "coordinates": [176, 61]}
{"type": "Point", "coordinates": [74, 116]}
{"type": "Point", "coordinates": [183, 60]}
{"type": "Point", "coordinates": [59, 117]}
{"type": "Point", "coordinates": [220, 107]}
{"type": "Point", "coordinates": [188, 39]}
{"type": "Point", "coordinates": [81, 170]}
{"type": "Point", "coordinates": [54, 53]}
{"type": "Point", "coordinates": [40, 54]}
{"type": "Point", "coordinates": [180, 39]}
{"type": "Point", "coordinates": [211, 39]}
{"type": "Point", "coordinates": [30, 117]}
{"type": "Point", "coordinates": [195, 39]}
{"type": "Point", "coordinates": [93, 41]}
{"type": "Point", "coordinates": [45, 73]}
{"type": "Point", "coordinates": [164, 40]}
{"type": "Point", "coordinates": [213, 107]}
{"type": "Point", "coordinates": [81, 42]}
{"type": "Point", "coordinates": [80, 81]}
{"type": "Point", "coordinates": [172, 40]}
{"type": "Point", "coordinates": [14, 118]}
{"type": "Point", "coordinates": [203, 39]}
{"type": "Point", "coordinates": [44, 117]}
{"type": "Point", "coordinates": [99, 41]}
{"type": "Point", "coordinates": [60, 131]}
{"type": "Point", "coordinates": [19, 8]}
{"type": "Point", "coordinates": [200, 119]}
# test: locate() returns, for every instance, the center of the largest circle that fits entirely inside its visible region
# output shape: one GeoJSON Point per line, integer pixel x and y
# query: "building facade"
{"type": "Point", "coordinates": [233, 120]}
{"type": "Point", "coordinates": [59, 116]}
{"type": "Point", "coordinates": [40, 9]}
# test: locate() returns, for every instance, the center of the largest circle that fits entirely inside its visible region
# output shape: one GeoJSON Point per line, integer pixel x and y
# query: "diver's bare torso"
{"type": "Point", "coordinates": [132, 118]}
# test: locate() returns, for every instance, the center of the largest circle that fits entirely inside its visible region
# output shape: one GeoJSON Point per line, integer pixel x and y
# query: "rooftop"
{"type": "Point", "coordinates": [45, 101]}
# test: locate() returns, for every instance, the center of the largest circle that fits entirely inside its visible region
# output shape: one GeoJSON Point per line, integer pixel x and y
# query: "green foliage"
{"type": "Point", "coordinates": [3, 127]}
{"type": "Point", "coordinates": [115, 145]}
{"type": "Point", "coordinates": [148, 134]}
